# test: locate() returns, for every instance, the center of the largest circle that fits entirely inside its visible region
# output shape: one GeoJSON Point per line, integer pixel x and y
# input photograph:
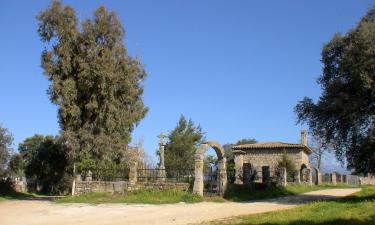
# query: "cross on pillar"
{"type": "Point", "coordinates": [162, 173]}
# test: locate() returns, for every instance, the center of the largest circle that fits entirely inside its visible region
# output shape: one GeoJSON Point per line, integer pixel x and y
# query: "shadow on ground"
{"type": "Point", "coordinates": [370, 221]}
{"type": "Point", "coordinates": [8, 193]}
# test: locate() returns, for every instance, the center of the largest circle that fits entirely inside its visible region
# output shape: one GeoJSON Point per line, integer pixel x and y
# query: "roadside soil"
{"type": "Point", "coordinates": [42, 212]}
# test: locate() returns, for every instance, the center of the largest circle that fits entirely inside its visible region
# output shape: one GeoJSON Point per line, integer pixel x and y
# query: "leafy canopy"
{"type": "Point", "coordinates": [182, 144]}
{"type": "Point", "coordinates": [6, 140]}
{"type": "Point", "coordinates": [345, 111]}
{"type": "Point", "coordinates": [94, 82]}
{"type": "Point", "coordinates": [46, 162]}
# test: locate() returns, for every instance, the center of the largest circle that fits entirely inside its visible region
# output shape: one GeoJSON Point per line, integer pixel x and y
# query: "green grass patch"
{"type": "Point", "coordinates": [239, 193]}
{"type": "Point", "coordinates": [150, 196]}
{"type": "Point", "coordinates": [358, 209]}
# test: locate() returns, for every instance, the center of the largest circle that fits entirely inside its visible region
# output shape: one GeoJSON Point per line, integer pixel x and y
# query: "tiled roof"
{"type": "Point", "coordinates": [268, 145]}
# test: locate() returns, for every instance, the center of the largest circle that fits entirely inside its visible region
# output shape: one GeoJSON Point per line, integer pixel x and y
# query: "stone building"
{"type": "Point", "coordinates": [258, 162]}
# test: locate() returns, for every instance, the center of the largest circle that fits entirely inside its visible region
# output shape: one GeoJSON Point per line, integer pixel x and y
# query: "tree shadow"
{"type": "Point", "coordinates": [7, 192]}
{"type": "Point", "coordinates": [368, 221]}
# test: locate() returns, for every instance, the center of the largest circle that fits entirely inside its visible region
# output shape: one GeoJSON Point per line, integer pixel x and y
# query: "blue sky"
{"type": "Point", "coordinates": [237, 68]}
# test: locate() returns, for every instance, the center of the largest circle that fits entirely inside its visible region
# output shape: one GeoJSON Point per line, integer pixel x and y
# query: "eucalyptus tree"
{"type": "Point", "coordinates": [94, 82]}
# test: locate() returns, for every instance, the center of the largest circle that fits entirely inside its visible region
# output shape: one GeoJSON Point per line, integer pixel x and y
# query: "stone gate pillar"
{"type": "Point", "coordinates": [222, 176]}
{"type": "Point", "coordinates": [283, 177]}
{"type": "Point", "coordinates": [199, 179]}
{"type": "Point", "coordinates": [334, 178]}
{"type": "Point", "coordinates": [318, 176]}
{"type": "Point", "coordinates": [297, 177]}
{"type": "Point", "coordinates": [133, 173]}
{"type": "Point", "coordinates": [309, 176]}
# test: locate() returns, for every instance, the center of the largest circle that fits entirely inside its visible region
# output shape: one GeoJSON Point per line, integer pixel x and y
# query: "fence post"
{"type": "Point", "coordinates": [319, 178]}
{"type": "Point", "coordinates": [74, 179]}
{"type": "Point", "coordinates": [333, 179]}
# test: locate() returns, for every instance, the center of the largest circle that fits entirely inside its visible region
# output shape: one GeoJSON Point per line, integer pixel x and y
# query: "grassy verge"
{"type": "Point", "coordinates": [7, 193]}
{"type": "Point", "coordinates": [239, 193]}
{"type": "Point", "coordinates": [358, 209]}
{"type": "Point", "coordinates": [142, 196]}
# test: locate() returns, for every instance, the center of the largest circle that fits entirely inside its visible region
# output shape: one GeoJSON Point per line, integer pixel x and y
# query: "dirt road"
{"type": "Point", "coordinates": [45, 212]}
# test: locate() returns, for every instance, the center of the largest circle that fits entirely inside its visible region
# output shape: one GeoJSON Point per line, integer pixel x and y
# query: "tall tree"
{"type": "Point", "coordinates": [346, 108]}
{"type": "Point", "coordinates": [6, 140]}
{"type": "Point", "coordinates": [182, 143]}
{"type": "Point", "coordinates": [94, 82]}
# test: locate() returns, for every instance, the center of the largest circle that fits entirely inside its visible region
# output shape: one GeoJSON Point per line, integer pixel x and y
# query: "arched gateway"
{"type": "Point", "coordinates": [199, 157]}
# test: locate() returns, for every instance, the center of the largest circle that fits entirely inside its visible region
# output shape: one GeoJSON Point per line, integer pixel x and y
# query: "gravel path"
{"type": "Point", "coordinates": [45, 212]}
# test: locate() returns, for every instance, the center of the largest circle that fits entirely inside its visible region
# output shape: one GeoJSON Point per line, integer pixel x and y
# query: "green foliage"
{"type": "Point", "coordinates": [246, 141]}
{"type": "Point", "coordinates": [149, 196]}
{"type": "Point", "coordinates": [287, 162]}
{"type": "Point", "coordinates": [210, 161]}
{"type": "Point", "coordinates": [182, 144]}
{"type": "Point", "coordinates": [47, 163]}
{"type": "Point", "coordinates": [6, 140]}
{"type": "Point", "coordinates": [345, 109]}
{"type": "Point", "coordinates": [16, 165]}
{"type": "Point", "coordinates": [94, 82]}
{"type": "Point", "coordinates": [86, 165]}
{"type": "Point", "coordinates": [358, 209]}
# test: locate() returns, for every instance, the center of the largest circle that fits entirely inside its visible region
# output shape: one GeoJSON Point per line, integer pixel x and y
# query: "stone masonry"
{"type": "Point", "coordinates": [263, 159]}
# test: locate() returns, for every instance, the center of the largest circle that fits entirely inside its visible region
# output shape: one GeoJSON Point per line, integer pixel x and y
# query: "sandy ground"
{"type": "Point", "coordinates": [45, 212]}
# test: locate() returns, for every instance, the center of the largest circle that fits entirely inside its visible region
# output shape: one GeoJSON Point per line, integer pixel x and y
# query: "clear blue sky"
{"type": "Point", "coordinates": [237, 68]}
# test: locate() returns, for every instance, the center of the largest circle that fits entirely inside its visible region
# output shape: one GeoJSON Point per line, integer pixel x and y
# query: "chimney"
{"type": "Point", "coordinates": [303, 137]}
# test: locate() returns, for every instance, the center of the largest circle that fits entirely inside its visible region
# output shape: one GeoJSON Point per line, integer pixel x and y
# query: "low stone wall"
{"type": "Point", "coordinates": [82, 187]}
{"type": "Point", "coordinates": [162, 186]}
{"type": "Point", "coordinates": [367, 180]}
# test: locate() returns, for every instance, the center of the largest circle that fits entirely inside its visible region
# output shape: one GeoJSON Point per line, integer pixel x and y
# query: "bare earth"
{"type": "Point", "coordinates": [45, 212]}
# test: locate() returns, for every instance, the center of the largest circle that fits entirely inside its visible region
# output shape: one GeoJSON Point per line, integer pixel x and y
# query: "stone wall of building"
{"type": "Point", "coordinates": [304, 158]}
{"type": "Point", "coordinates": [271, 157]}
{"type": "Point", "coordinates": [82, 187]}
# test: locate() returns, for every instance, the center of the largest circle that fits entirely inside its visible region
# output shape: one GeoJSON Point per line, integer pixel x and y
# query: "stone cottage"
{"type": "Point", "coordinates": [258, 162]}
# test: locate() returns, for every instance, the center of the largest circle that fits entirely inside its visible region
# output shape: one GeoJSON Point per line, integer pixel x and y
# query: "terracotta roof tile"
{"type": "Point", "coordinates": [267, 145]}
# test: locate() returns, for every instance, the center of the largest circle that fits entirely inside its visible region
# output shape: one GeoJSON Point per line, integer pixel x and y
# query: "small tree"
{"type": "Point", "coordinates": [182, 144]}
{"type": "Point", "coordinates": [319, 148]}
{"type": "Point", "coordinates": [287, 163]}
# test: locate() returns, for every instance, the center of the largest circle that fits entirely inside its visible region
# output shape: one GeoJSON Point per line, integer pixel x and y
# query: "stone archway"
{"type": "Point", "coordinates": [222, 160]}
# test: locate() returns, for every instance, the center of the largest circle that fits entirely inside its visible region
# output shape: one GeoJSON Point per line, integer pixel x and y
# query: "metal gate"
{"type": "Point", "coordinates": [211, 185]}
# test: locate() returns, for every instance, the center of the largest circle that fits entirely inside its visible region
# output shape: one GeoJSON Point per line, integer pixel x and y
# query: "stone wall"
{"type": "Point", "coordinates": [367, 180]}
{"type": "Point", "coordinates": [82, 187]}
{"type": "Point", "coordinates": [161, 186]}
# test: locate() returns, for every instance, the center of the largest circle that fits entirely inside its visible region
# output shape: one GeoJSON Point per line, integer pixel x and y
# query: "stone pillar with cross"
{"type": "Point", "coordinates": [162, 174]}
